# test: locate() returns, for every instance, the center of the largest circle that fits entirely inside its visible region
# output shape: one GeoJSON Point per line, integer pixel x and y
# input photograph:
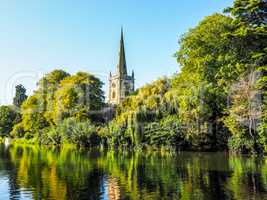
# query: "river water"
{"type": "Point", "coordinates": [28, 173]}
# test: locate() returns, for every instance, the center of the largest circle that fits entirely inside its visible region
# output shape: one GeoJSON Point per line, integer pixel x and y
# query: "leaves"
{"type": "Point", "coordinates": [8, 118]}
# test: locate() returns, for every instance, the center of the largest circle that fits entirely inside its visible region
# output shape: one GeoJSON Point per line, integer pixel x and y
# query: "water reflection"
{"type": "Point", "coordinates": [41, 173]}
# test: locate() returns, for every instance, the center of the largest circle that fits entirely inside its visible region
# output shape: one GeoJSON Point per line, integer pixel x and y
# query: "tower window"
{"type": "Point", "coordinates": [113, 95]}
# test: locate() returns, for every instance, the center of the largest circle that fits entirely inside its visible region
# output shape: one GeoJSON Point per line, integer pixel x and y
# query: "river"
{"type": "Point", "coordinates": [35, 173]}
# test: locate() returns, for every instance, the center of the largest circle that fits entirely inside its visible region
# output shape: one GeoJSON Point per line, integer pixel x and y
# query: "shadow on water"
{"type": "Point", "coordinates": [29, 172]}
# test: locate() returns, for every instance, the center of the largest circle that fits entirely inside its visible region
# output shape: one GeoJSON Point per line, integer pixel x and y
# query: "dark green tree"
{"type": "Point", "coordinates": [8, 118]}
{"type": "Point", "coordinates": [20, 96]}
{"type": "Point", "coordinates": [249, 13]}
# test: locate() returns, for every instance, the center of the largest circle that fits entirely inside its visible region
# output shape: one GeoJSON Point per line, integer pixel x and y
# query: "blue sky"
{"type": "Point", "coordinates": [83, 35]}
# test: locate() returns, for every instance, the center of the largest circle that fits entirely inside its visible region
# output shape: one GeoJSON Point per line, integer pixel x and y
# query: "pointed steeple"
{"type": "Point", "coordinates": [122, 67]}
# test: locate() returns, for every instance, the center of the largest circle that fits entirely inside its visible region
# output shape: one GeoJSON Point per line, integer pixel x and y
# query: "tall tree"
{"type": "Point", "coordinates": [80, 96]}
{"type": "Point", "coordinates": [37, 109]}
{"type": "Point", "coordinates": [20, 96]}
{"type": "Point", "coordinates": [250, 22]}
{"type": "Point", "coordinates": [208, 63]}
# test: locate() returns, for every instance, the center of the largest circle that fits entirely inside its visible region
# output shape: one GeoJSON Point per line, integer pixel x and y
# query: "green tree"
{"type": "Point", "coordinates": [244, 115]}
{"type": "Point", "coordinates": [20, 96]}
{"type": "Point", "coordinates": [47, 88]}
{"type": "Point", "coordinates": [80, 96]}
{"type": "Point", "coordinates": [249, 13]}
{"type": "Point", "coordinates": [60, 96]}
{"type": "Point", "coordinates": [207, 59]}
{"type": "Point", "coordinates": [8, 118]}
{"type": "Point", "coordinates": [250, 21]}
{"type": "Point", "coordinates": [36, 111]}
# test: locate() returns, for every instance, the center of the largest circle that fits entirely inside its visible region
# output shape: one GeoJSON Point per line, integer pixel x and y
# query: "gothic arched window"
{"type": "Point", "coordinates": [113, 95]}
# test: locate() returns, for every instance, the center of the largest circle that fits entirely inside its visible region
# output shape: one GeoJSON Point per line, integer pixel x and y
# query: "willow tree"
{"type": "Point", "coordinates": [148, 117]}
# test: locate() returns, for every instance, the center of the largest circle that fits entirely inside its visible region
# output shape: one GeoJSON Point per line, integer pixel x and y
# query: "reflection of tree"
{"type": "Point", "coordinates": [14, 188]}
{"type": "Point", "coordinates": [8, 165]}
{"type": "Point", "coordinates": [50, 174]}
{"type": "Point", "coordinates": [246, 181]}
{"type": "Point", "coordinates": [69, 174]}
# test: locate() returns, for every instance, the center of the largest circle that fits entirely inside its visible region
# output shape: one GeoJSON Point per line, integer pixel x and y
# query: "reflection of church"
{"type": "Point", "coordinates": [113, 189]}
{"type": "Point", "coordinates": [120, 84]}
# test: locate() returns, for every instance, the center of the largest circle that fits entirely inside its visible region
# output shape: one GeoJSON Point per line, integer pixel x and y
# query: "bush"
{"type": "Point", "coordinates": [84, 134]}
{"type": "Point", "coordinates": [71, 130]}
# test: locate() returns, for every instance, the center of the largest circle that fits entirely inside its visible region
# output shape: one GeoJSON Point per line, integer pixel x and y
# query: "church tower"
{"type": "Point", "coordinates": [120, 84]}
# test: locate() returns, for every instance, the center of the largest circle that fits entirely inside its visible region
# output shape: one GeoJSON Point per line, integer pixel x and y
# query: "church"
{"type": "Point", "coordinates": [120, 84]}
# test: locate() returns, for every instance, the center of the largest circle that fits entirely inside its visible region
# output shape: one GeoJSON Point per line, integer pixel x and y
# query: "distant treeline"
{"type": "Point", "coordinates": [217, 102]}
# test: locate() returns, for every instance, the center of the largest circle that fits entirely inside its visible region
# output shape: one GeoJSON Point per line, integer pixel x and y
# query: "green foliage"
{"type": "Point", "coordinates": [8, 118]}
{"type": "Point", "coordinates": [207, 67]}
{"type": "Point", "coordinates": [207, 52]}
{"type": "Point", "coordinates": [244, 114]}
{"type": "Point", "coordinates": [71, 130]}
{"type": "Point", "coordinates": [20, 96]}
{"type": "Point", "coordinates": [45, 93]}
{"type": "Point", "coordinates": [60, 97]}
{"type": "Point", "coordinates": [33, 119]}
{"type": "Point", "coordinates": [165, 133]}
{"type": "Point", "coordinates": [249, 12]}
{"type": "Point", "coordinates": [247, 113]}
{"type": "Point", "coordinates": [219, 97]}
{"type": "Point", "coordinates": [83, 133]}
{"type": "Point", "coordinates": [37, 109]}
{"type": "Point", "coordinates": [78, 96]}
{"type": "Point", "coordinates": [146, 118]}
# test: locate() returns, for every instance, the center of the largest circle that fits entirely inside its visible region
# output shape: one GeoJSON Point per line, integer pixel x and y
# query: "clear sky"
{"type": "Point", "coordinates": [38, 36]}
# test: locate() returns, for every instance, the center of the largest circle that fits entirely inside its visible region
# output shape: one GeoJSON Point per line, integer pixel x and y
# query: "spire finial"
{"type": "Point", "coordinates": [122, 40]}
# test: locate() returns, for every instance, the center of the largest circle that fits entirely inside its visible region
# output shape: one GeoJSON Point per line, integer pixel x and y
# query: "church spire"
{"type": "Point", "coordinates": [121, 84]}
{"type": "Point", "coordinates": [122, 68]}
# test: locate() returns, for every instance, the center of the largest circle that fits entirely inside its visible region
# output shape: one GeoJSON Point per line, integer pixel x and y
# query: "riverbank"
{"type": "Point", "coordinates": [141, 149]}
{"type": "Point", "coordinates": [34, 142]}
